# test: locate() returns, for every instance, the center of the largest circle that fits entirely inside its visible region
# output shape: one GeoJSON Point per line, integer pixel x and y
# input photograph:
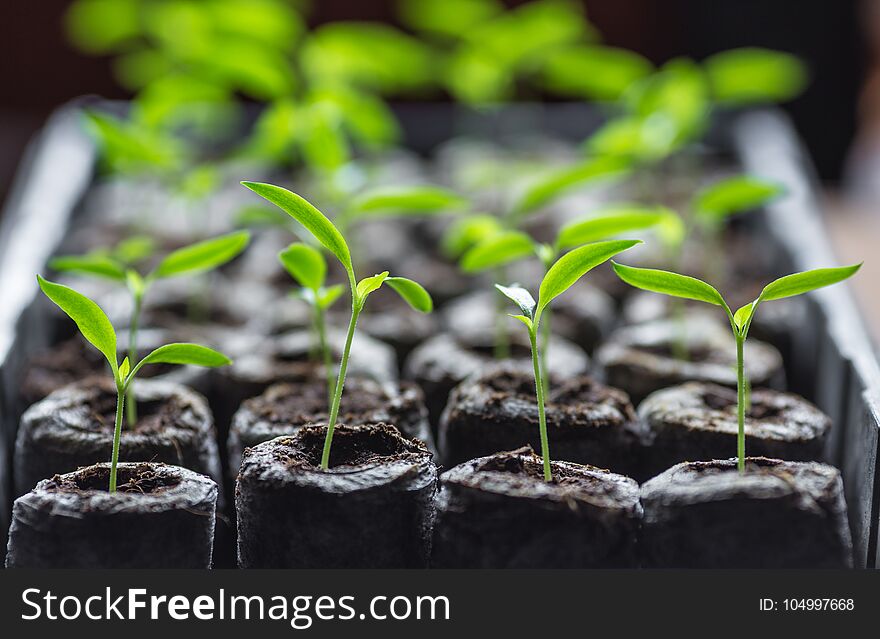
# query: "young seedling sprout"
{"type": "Point", "coordinates": [95, 326]}
{"type": "Point", "coordinates": [329, 236]}
{"type": "Point", "coordinates": [686, 287]}
{"type": "Point", "coordinates": [559, 278]}
{"type": "Point", "coordinates": [490, 242]}
{"type": "Point", "coordinates": [307, 266]}
{"type": "Point", "coordinates": [118, 266]}
{"type": "Point", "coordinates": [501, 248]}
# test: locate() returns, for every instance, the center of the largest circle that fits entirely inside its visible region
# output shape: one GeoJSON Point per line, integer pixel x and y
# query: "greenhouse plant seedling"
{"type": "Point", "coordinates": [500, 248]}
{"type": "Point", "coordinates": [119, 265]}
{"type": "Point", "coordinates": [95, 326]}
{"type": "Point", "coordinates": [687, 287]}
{"type": "Point", "coordinates": [307, 266]}
{"type": "Point", "coordinates": [559, 278]}
{"type": "Point", "coordinates": [330, 237]}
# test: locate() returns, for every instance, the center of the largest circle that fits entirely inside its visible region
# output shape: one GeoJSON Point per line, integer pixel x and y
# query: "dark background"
{"type": "Point", "coordinates": [39, 70]}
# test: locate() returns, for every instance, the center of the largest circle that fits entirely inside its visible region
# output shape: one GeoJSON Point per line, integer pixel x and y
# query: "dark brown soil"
{"type": "Point", "coordinates": [496, 410]}
{"type": "Point", "coordinates": [140, 478]}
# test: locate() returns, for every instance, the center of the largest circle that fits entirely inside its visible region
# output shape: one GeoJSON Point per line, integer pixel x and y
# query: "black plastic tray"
{"type": "Point", "coordinates": [59, 167]}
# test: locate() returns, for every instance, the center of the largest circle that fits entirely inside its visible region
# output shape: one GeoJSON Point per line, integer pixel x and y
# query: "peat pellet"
{"type": "Point", "coordinates": [644, 358]}
{"type": "Point", "coordinates": [583, 316]}
{"type": "Point", "coordinates": [73, 427]}
{"type": "Point", "coordinates": [777, 514]}
{"type": "Point", "coordinates": [160, 517]}
{"type": "Point", "coordinates": [373, 507]}
{"type": "Point", "coordinates": [285, 408]}
{"type": "Point", "coordinates": [496, 410]}
{"type": "Point", "coordinates": [444, 361]}
{"type": "Point", "coordinates": [698, 421]}
{"type": "Point", "coordinates": [498, 512]}
{"type": "Point", "coordinates": [260, 362]}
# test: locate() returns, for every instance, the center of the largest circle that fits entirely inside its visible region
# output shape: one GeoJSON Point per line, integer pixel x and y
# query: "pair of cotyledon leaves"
{"type": "Point", "coordinates": [96, 327]}
{"type": "Point", "coordinates": [498, 247]}
{"type": "Point", "coordinates": [196, 258]}
{"type": "Point", "coordinates": [507, 246]}
{"type": "Point", "coordinates": [686, 287]}
{"type": "Point", "coordinates": [329, 236]}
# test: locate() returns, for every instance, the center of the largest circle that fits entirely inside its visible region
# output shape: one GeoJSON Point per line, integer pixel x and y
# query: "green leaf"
{"type": "Point", "coordinates": [92, 264]}
{"type": "Point", "coordinates": [561, 181]}
{"type": "Point", "coordinates": [595, 72]}
{"type": "Point", "coordinates": [202, 256]}
{"type": "Point", "coordinates": [799, 283]}
{"type": "Point", "coordinates": [134, 249]}
{"type": "Point", "coordinates": [668, 283]}
{"type": "Point", "coordinates": [642, 139]}
{"type": "Point", "coordinates": [413, 293]}
{"type": "Point", "coordinates": [406, 200]}
{"type": "Point", "coordinates": [305, 264]}
{"type": "Point", "coordinates": [307, 215]}
{"type": "Point", "coordinates": [503, 248]}
{"type": "Point", "coordinates": [573, 265]}
{"type": "Point", "coordinates": [754, 75]}
{"type": "Point", "coordinates": [744, 314]}
{"type": "Point", "coordinates": [612, 221]}
{"type": "Point", "coordinates": [735, 195]}
{"type": "Point", "coordinates": [521, 297]}
{"type": "Point", "coordinates": [186, 354]}
{"type": "Point", "coordinates": [91, 321]}
{"type": "Point", "coordinates": [135, 283]}
{"type": "Point", "coordinates": [326, 297]}
{"type": "Point", "coordinates": [124, 368]}
{"type": "Point", "coordinates": [468, 231]}
{"type": "Point", "coordinates": [370, 284]}
{"type": "Point", "coordinates": [525, 320]}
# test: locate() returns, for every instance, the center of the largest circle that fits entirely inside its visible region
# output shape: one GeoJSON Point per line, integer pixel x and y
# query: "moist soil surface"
{"type": "Point", "coordinates": [587, 422]}
{"type": "Point", "coordinates": [284, 408]}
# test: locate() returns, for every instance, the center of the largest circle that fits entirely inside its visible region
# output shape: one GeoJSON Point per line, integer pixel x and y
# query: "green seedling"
{"type": "Point", "coordinates": [683, 286]}
{"type": "Point", "coordinates": [715, 204]}
{"type": "Point", "coordinates": [502, 248]}
{"type": "Point", "coordinates": [664, 112]}
{"type": "Point", "coordinates": [307, 266]}
{"type": "Point", "coordinates": [484, 51]}
{"type": "Point", "coordinates": [559, 278]}
{"type": "Point", "coordinates": [482, 241]}
{"type": "Point", "coordinates": [119, 265]}
{"type": "Point", "coordinates": [95, 326]}
{"type": "Point", "coordinates": [331, 239]}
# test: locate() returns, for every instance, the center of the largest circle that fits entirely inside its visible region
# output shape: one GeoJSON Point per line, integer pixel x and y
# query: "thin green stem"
{"type": "Point", "coordinates": [325, 351]}
{"type": "Point", "coordinates": [539, 392]}
{"type": "Point", "coordinates": [131, 407]}
{"type": "Point", "coordinates": [545, 346]}
{"type": "Point", "coordinates": [740, 405]}
{"type": "Point", "coordinates": [356, 308]}
{"type": "Point", "coordinates": [117, 431]}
